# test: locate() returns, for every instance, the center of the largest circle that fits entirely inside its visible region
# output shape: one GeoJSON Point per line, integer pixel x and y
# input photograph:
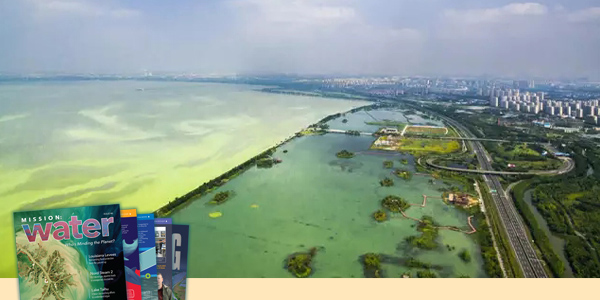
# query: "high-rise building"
{"type": "Point", "coordinates": [494, 101]}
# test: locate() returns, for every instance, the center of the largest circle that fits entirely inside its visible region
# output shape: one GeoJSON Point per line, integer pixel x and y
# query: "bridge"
{"type": "Point", "coordinates": [344, 132]}
{"type": "Point", "coordinates": [476, 139]}
{"type": "Point", "coordinates": [454, 228]}
{"type": "Point", "coordinates": [567, 166]}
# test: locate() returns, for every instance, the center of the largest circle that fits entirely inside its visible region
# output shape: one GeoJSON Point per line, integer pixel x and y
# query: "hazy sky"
{"type": "Point", "coordinates": [403, 37]}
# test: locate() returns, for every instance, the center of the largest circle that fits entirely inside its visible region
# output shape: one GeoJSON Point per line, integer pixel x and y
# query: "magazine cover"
{"type": "Point", "coordinates": [180, 235]}
{"type": "Point", "coordinates": [164, 261]}
{"type": "Point", "coordinates": [146, 242]}
{"type": "Point", "coordinates": [131, 253]}
{"type": "Point", "coordinates": [70, 253]}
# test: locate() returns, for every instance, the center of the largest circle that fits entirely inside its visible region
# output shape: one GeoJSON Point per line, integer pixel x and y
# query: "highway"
{"type": "Point", "coordinates": [526, 256]}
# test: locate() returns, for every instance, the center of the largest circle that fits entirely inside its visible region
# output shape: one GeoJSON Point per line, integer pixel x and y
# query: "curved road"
{"type": "Point", "coordinates": [526, 256]}
{"type": "Point", "coordinates": [567, 166]}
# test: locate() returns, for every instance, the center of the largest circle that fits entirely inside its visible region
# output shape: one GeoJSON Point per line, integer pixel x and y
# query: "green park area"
{"type": "Point", "coordinates": [428, 145]}
{"type": "Point", "coordinates": [523, 156]}
{"type": "Point", "coordinates": [388, 123]}
{"type": "Point", "coordinates": [426, 131]}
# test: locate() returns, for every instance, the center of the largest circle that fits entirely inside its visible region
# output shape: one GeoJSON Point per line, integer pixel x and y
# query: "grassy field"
{"type": "Point", "coordinates": [427, 145]}
{"type": "Point", "coordinates": [523, 156]}
{"type": "Point", "coordinates": [522, 149]}
{"type": "Point", "coordinates": [388, 123]}
{"type": "Point", "coordinates": [425, 130]}
{"type": "Point", "coordinates": [574, 196]}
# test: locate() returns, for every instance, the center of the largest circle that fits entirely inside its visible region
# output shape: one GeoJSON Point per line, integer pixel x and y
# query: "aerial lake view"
{"type": "Point", "coordinates": [313, 201]}
{"type": "Point", "coordinates": [137, 143]}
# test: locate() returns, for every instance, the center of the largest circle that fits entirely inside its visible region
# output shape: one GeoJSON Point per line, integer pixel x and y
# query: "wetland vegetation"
{"type": "Point", "coordinates": [386, 182]}
{"type": "Point", "coordinates": [220, 197]}
{"type": "Point", "coordinates": [388, 164]}
{"type": "Point", "coordinates": [372, 265]}
{"type": "Point", "coordinates": [394, 203]}
{"type": "Point", "coordinates": [406, 175]}
{"type": "Point", "coordinates": [380, 216]}
{"type": "Point", "coordinates": [429, 233]}
{"type": "Point", "coordinates": [345, 154]}
{"type": "Point", "coordinates": [299, 264]}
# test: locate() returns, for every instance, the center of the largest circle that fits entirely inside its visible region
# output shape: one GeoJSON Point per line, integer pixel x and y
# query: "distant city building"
{"type": "Point", "coordinates": [536, 103]}
{"type": "Point", "coordinates": [494, 102]}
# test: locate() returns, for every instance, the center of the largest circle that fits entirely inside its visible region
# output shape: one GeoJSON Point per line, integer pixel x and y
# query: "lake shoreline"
{"type": "Point", "coordinates": [180, 202]}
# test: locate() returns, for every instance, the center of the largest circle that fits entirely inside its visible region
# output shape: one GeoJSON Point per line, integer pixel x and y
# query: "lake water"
{"type": "Point", "coordinates": [98, 142]}
{"type": "Point", "coordinates": [314, 199]}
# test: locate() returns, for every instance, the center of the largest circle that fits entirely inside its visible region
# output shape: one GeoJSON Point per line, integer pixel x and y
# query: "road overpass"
{"type": "Point", "coordinates": [567, 166]}
{"type": "Point", "coordinates": [526, 256]}
{"type": "Point", "coordinates": [475, 139]}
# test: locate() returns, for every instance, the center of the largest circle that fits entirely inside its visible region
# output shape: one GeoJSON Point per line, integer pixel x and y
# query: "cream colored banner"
{"type": "Point", "coordinates": [370, 289]}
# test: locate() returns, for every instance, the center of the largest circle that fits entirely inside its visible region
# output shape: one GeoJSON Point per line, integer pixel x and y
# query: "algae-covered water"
{"type": "Point", "coordinates": [136, 143]}
{"type": "Point", "coordinates": [314, 199]}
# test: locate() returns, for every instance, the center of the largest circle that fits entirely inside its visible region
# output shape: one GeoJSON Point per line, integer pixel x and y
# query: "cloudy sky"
{"type": "Point", "coordinates": [402, 37]}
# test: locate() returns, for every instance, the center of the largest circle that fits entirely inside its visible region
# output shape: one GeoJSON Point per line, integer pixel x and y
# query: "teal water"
{"type": "Point", "coordinates": [314, 199]}
{"type": "Point", "coordinates": [357, 121]}
{"type": "Point", "coordinates": [79, 143]}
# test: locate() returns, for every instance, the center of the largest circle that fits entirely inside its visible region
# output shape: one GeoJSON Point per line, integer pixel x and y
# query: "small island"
{"type": "Point", "coordinates": [465, 255]}
{"type": "Point", "coordinates": [394, 203]}
{"type": "Point", "coordinates": [427, 240]}
{"type": "Point", "coordinates": [426, 274]}
{"type": "Point", "coordinates": [345, 121]}
{"type": "Point", "coordinates": [388, 164]}
{"type": "Point", "coordinates": [344, 154]}
{"type": "Point", "coordinates": [380, 216]}
{"type": "Point", "coordinates": [299, 264]}
{"type": "Point", "coordinates": [406, 175]}
{"type": "Point", "coordinates": [460, 199]}
{"type": "Point", "coordinates": [386, 182]}
{"type": "Point", "coordinates": [220, 197]}
{"type": "Point", "coordinates": [266, 163]}
{"type": "Point", "coordinates": [404, 161]}
{"type": "Point", "coordinates": [371, 265]}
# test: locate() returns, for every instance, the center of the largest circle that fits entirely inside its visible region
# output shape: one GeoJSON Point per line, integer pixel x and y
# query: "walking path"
{"type": "Point", "coordinates": [454, 228]}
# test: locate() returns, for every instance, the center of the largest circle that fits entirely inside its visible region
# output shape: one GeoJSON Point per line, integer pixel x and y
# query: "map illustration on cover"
{"type": "Point", "coordinates": [164, 258]}
{"type": "Point", "coordinates": [147, 248]}
{"type": "Point", "coordinates": [181, 234]}
{"type": "Point", "coordinates": [70, 253]}
{"type": "Point", "coordinates": [129, 227]}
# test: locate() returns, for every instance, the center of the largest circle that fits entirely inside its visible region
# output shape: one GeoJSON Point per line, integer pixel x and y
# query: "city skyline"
{"type": "Point", "coordinates": [543, 39]}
